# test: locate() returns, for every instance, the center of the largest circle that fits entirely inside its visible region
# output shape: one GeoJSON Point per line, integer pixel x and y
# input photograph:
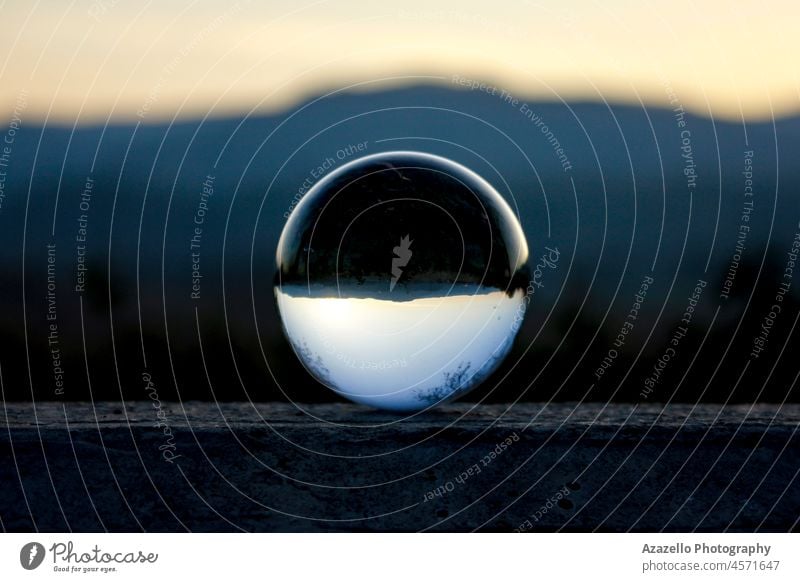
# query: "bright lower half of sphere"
{"type": "Point", "coordinates": [402, 280]}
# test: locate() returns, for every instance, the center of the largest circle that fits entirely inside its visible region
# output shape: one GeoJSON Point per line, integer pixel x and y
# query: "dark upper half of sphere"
{"type": "Point", "coordinates": [400, 221]}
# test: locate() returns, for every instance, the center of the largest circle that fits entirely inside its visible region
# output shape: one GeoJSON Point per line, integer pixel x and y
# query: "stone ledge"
{"type": "Point", "coordinates": [342, 467]}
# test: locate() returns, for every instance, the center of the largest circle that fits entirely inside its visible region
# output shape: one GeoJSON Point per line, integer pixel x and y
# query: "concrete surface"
{"type": "Point", "coordinates": [337, 467]}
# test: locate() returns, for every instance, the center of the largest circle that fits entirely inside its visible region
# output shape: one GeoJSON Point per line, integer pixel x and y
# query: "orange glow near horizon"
{"type": "Point", "coordinates": [100, 59]}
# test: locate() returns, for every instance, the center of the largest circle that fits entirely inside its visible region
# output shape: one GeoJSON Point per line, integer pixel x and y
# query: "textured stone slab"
{"type": "Point", "coordinates": [340, 467]}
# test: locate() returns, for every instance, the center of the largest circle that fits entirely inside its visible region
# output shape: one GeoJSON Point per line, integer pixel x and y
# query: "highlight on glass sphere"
{"type": "Point", "coordinates": [401, 280]}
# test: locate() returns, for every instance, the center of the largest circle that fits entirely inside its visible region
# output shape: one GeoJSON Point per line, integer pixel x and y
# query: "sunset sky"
{"type": "Point", "coordinates": [87, 60]}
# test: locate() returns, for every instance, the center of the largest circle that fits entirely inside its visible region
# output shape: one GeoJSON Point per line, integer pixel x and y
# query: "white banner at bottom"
{"type": "Point", "coordinates": [378, 557]}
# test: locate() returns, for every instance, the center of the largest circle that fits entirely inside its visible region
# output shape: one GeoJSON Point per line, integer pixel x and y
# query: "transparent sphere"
{"type": "Point", "coordinates": [401, 280]}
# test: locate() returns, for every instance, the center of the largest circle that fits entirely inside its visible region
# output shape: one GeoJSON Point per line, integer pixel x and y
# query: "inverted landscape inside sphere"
{"type": "Point", "coordinates": [401, 280]}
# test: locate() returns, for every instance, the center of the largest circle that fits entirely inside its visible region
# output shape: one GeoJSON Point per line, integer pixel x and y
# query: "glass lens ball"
{"type": "Point", "coordinates": [401, 280]}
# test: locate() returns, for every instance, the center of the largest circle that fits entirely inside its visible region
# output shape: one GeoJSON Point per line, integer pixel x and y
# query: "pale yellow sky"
{"type": "Point", "coordinates": [90, 59]}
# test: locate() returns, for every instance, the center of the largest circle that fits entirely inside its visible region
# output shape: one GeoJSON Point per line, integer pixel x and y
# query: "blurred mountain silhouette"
{"type": "Point", "coordinates": [623, 193]}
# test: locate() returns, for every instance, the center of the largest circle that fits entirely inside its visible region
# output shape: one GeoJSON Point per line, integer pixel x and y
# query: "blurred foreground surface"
{"type": "Point", "coordinates": [156, 466]}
